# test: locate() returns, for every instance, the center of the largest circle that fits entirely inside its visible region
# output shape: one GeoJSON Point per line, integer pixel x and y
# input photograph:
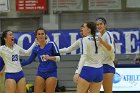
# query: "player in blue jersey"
{"type": "Point", "coordinates": [48, 54]}
{"type": "Point", "coordinates": [10, 53]}
{"type": "Point", "coordinates": [90, 64]}
{"type": "Point", "coordinates": [1, 63]}
{"type": "Point", "coordinates": [107, 42]}
{"type": "Point", "coordinates": [1, 66]}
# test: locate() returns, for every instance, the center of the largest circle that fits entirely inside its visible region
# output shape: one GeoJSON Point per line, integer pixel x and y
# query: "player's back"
{"type": "Point", "coordinates": [93, 57]}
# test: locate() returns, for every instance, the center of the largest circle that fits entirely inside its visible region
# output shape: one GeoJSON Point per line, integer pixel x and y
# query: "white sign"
{"type": "Point", "coordinates": [133, 3]}
{"type": "Point", "coordinates": [67, 5]}
{"type": "Point", "coordinates": [4, 6]}
{"type": "Point", "coordinates": [104, 4]}
{"type": "Point", "coordinates": [126, 79]}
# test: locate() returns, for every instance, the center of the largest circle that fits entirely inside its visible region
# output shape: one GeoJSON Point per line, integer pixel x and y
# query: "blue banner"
{"type": "Point", "coordinates": [127, 41]}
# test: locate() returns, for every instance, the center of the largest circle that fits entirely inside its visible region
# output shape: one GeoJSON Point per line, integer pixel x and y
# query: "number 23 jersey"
{"type": "Point", "coordinates": [11, 58]}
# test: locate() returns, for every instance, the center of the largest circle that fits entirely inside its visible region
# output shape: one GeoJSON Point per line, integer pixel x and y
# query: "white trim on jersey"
{"type": "Point", "coordinates": [54, 46]}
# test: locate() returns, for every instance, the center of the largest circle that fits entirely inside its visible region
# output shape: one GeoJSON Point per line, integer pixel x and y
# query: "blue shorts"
{"type": "Point", "coordinates": [16, 76]}
{"type": "Point", "coordinates": [92, 74]}
{"type": "Point", "coordinates": [108, 69]}
{"type": "Point", "coordinates": [46, 75]}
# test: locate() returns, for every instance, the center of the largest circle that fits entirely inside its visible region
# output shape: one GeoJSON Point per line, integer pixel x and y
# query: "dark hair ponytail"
{"type": "Point", "coordinates": [94, 35]}
{"type": "Point", "coordinates": [4, 34]}
{"type": "Point", "coordinates": [92, 26]}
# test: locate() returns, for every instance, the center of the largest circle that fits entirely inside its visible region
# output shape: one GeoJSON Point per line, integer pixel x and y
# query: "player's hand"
{"type": "Point", "coordinates": [36, 41]}
{"type": "Point", "coordinates": [62, 53]}
{"type": "Point", "coordinates": [75, 78]}
{"type": "Point", "coordinates": [101, 42]}
{"type": "Point", "coordinates": [1, 74]}
{"type": "Point", "coordinates": [47, 57]}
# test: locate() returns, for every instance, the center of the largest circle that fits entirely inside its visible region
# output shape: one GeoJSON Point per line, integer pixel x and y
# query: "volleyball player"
{"type": "Point", "coordinates": [90, 65]}
{"type": "Point", "coordinates": [107, 42]}
{"type": "Point", "coordinates": [1, 66]}
{"type": "Point", "coordinates": [1, 63]}
{"type": "Point", "coordinates": [9, 51]}
{"type": "Point", "coordinates": [48, 54]}
{"type": "Point", "coordinates": [77, 44]}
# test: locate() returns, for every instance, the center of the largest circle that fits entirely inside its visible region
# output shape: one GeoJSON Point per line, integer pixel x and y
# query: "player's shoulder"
{"type": "Point", "coordinates": [87, 38]}
{"type": "Point", "coordinates": [79, 40]}
{"type": "Point", "coordinates": [108, 33]}
{"type": "Point", "coordinates": [15, 46]}
{"type": "Point", "coordinates": [2, 47]}
{"type": "Point", "coordinates": [98, 34]}
{"type": "Point", "coordinates": [51, 42]}
{"type": "Point", "coordinates": [36, 47]}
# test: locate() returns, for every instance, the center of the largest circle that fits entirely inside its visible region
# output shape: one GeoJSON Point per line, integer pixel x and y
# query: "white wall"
{"type": "Point", "coordinates": [114, 19]}
{"type": "Point", "coordinates": [30, 20]}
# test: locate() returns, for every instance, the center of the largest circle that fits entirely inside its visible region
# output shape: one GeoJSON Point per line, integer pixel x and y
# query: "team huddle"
{"type": "Point", "coordinates": [95, 66]}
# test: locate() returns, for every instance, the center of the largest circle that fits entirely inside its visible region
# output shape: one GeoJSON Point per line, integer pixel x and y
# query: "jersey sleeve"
{"type": "Point", "coordinates": [26, 52]}
{"type": "Point", "coordinates": [74, 46]}
{"type": "Point", "coordinates": [83, 56]}
{"type": "Point", "coordinates": [30, 59]}
{"type": "Point", "coordinates": [80, 64]}
{"type": "Point", "coordinates": [1, 63]}
{"type": "Point", "coordinates": [110, 40]}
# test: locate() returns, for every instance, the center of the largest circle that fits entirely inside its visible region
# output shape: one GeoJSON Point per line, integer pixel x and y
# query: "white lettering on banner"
{"type": "Point", "coordinates": [126, 41]}
{"type": "Point", "coordinates": [56, 38]}
{"type": "Point", "coordinates": [130, 41]}
{"type": "Point", "coordinates": [117, 45]}
{"type": "Point", "coordinates": [21, 38]}
{"type": "Point", "coordinates": [73, 39]}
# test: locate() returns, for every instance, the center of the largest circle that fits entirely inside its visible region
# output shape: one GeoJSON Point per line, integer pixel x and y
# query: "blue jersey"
{"type": "Point", "coordinates": [1, 63]}
{"type": "Point", "coordinates": [50, 49]}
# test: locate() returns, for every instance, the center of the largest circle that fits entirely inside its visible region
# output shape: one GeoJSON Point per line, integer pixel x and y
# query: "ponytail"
{"type": "Point", "coordinates": [92, 26]}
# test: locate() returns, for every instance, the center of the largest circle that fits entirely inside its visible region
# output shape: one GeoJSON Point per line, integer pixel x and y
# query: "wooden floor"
{"type": "Point", "coordinates": [67, 92]}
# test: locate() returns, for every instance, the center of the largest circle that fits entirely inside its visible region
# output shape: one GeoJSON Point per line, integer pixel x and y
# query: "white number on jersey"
{"type": "Point", "coordinates": [43, 57]}
{"type": "Point", "coordinates": [14, 57]}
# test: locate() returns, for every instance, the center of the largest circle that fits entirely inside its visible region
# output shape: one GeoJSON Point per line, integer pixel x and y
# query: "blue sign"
{"type": "Point", "coordinates": [127, 41]}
